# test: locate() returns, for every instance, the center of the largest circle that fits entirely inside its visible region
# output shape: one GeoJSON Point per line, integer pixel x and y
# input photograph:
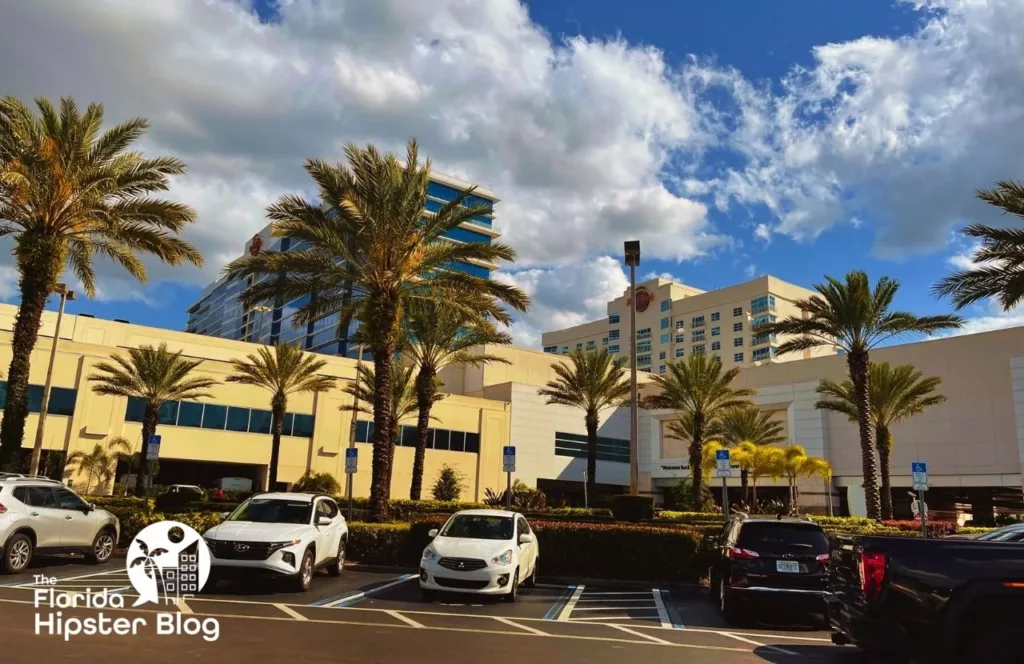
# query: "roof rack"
{"type": "Point", "coordinates": [32, 478]}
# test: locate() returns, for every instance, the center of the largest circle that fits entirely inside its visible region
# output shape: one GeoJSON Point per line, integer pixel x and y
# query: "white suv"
{"type": "Point", "coordinates": [39, 515]}
{"type": "Point", "coordinates": [280, 534]}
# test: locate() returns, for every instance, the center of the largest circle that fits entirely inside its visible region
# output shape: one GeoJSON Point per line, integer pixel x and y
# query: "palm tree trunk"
{"type": "Point", "coordinates": [425, 386]}
{"type": "Point", "coordinates": [149, 422]}
{"type": "Point", "coordinates": [392, 443]}
{"type": "Point", "coordinates": [753, 488]}
{"type": "Point", "coordinates": [745, 486]}
{"type": "Point", "coordinates": [40, 261]}
{"type": "Point", "coordinates": [591, 422]}
{"type": "Point", "coordinates": [858, 363]}
{"type": "Point", "coordinates": [696, 468]}
{"type": "Point", "coordinates": [884, 438]}
{"type": "Point", "coordinates": [380, 486]}
{"type": "Point", "coordinates": [278, 407]}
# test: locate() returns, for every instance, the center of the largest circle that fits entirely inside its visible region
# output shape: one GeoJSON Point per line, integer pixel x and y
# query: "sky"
{"type": "Point", "coordinates": [733, 139]}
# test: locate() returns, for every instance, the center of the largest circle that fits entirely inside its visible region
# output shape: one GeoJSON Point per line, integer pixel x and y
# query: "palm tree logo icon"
{"type": "Point", "coordinates": [167, 561]}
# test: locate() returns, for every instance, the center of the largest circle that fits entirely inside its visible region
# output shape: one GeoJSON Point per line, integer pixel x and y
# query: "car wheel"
{"type": "Point", "coordinates": [510, 596]}
{"type": "Point", "coordinates": [727, 605]}
{"type": "Point", "coordinates": [102, 548]}
{"type": "Point", "coordinates": [531, 582]}
{"type": "Point", "coordinates": [17, 554]}
{"type": "Point", "coordinates": [304, 577]}
{"type": "Point", "coordinates": [338, 566]}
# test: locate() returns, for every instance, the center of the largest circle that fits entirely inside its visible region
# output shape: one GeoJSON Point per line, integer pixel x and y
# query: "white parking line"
{"type": "Point", "coordinates": [662, 611]}
{"type": "Point", "coordinates": [570, 605]}
{"type": "Point", "coordinates": [531, 630]}
{"type": "Point", "coordinates": [643, 636]}
{"type": "Point", "coordinates": [758, 643]}
{"type": "Point", "coordinates": [616, 608]}
{"type": "Point", "coordinates": [637, 592]}
{"type": "Point", "coordinates": [292, 612]}
{"type": "Point", "coordinates": [183, 607]}
{"type": "Point", "coordinates": [620, 600]}
{"type": "Point", "coordinates": [405, 619]}
{"type": "Point", "coordinates": [603, 619]}
{"type": "Point", "coordinates": [349, 599]}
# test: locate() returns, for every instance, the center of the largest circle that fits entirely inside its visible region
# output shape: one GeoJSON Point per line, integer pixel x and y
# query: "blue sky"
{"type": "Point", "coordinates": [734, 139]}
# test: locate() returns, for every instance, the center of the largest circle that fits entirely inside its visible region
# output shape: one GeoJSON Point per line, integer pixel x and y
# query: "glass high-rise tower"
{"type": "Point", "coordinates": [219, 311]}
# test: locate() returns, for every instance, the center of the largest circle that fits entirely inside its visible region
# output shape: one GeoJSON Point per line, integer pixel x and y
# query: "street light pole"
{"type": "Point", "coordinates": [37, 448]}
{"type": "Point", "coordinates": [632, 252]}
{"type": "Point", "coordinates": [262, 309]}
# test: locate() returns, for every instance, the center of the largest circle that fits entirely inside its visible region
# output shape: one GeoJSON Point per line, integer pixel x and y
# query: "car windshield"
{"type": "Point", "coordinates": [781, 538]}
{"type": "Point", "coordinates": [479, 526]}
{"type": "Point", "coordinates": [1008, 534]}
{"type": "Point", "coordinates": [273, 511]}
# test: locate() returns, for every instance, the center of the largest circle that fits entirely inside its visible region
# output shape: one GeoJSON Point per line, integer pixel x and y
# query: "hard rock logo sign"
{"type": "Point", "coordinates": [643, 299]}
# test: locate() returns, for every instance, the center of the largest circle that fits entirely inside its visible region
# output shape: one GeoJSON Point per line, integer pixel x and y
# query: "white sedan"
{"type": "Point", "coordinates": [486, 552]}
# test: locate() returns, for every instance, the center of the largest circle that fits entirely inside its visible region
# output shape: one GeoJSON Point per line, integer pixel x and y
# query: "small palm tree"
{"type": "Point", "coordinates": [996, 272]}
{"type": "Point", "coordinates": [283, 372]}
{"type": "Point", "coordinates": [763, 461]}
{"type": "Point", "coordinates": [155, 375]}
{"type": "Point", "coordinates": [699, 388]}
{"type": "Point", "coordinates": [794, 460]}
{"type": "Point", "coordinates": [439, 335]}
{"type": "Point", "coordinates": [370, 251]}
{"type": "Point", "coordinates": [67, 194]}
{"type": "Point", "coordinates": [593, 381]}
{"type": "Point", "coordinates": [748, 424]}
{"type": "Point", "coordinates": [854, 318]}
{"type": "Point", "coordinates": [818, 467]}
{"type": "Point", "coordinates": [100, 463]}
{"type": "Point", "coordinates": [895, 393]}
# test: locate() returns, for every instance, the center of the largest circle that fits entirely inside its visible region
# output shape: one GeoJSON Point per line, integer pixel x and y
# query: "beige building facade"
{"type": "Point", "coordinates": [674, 321]}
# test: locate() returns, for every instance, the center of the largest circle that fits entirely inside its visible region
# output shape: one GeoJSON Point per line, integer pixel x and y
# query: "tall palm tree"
{"type": "Point", "coordinates": [894, 394]}
{"type": "Point", "coordinates": [100, 463]}
{"type": "Point", "coordinates": [592, 381]}
{"type": "Point", "coordinates": [699, 387]}
{"type": "Point", "coordinates": [155, 375]}
{"type": "Point", "coordinates": [853, 317]}
{"type": "Point", "coordinates": [998, 270]}
{"type": "Point", "coordinates": [818, 467]}
{"type": "Point", "coordinates": [748, 424]}
{"type": "Point", "coordinates": [439, 335]}
{"type": "Point", "coordinates": [284, 371]}
{"type": "Point", "coordinates": [68, 193]}
{"type": "Point", "coordinates": [404, 405]}
{"type": "Point", "coordinates": [369, 251]}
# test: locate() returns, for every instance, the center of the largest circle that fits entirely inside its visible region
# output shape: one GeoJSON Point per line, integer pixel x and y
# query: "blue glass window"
{"type": "Point", "coordinates": [737, 341]}
{"type": "Point", "coordinates": [190, 414]}
{"type": "Point", "coordinates": [238, 419]}
{"type": "Point", "coordinates": [665, 338]}
{"type": "Point", "coordinates": [737, 357]}
{"type": "Point", "coordinates": [214, 416]}
{"type": "Point", "coordinates": [457, 442]}
{"type": "Point", "coordinates": [716, 345]}
{"type": "Point", "coordinates": [441, 438]}
{"type": "Point", "coordinates": [136, 410]}
{"type": "Point", "coordinates": [446, 193]}
{"type": "Point", "coordinates": [259, 421]}
{"type": "Point", "coordinates": [715, 331]}
{"type": "Point", "coordinates": [62, 401]}
{"type": "Point", "coordinates": [465, 235]}
{"type": "Point", "coordinates": [613, 319]}
{"type": "Point", "coordinates": [679, 352]}
{"type": "Point", "coordinates": [303, 426]}
{"type": "Point", "coordinates": [738, 311]}
{"type": "Point", "coordinates": [473, 442]}
{"type": "Point", "coordinates": [550, 349]}
{"type": "Point", "coordinates": [666, 305]}
{"type": "Point", "coordinates": [364, 431]}
{"type": "Point", "coordinates": [697, 321]}
{"type": "Point", "coordinates": [714, 316]}
{"type": "Point", "coordinates": [665, 322]}
{"type": "Point", "coordinates": [169, 412]}
{"type": "Point", "coordinates": [613, 334]}
{"type": "Point", "coordinates": [613, 349]}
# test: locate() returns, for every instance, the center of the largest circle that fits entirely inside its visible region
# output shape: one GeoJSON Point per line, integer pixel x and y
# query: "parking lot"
{"type": "Point", "coordinates": [680, 621]}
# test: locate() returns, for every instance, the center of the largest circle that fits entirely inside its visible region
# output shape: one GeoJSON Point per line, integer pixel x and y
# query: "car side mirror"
{"type": "Point", "coordinates": [89, 507]}
{"type": "Point", "coordinates": [323, 521]}
{"type": "Point", "coordinates": [526, 538]}
{"type": "Point", "coordinates": [432, 533]}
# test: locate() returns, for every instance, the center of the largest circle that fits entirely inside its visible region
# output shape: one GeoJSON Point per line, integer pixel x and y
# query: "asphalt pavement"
{"type": "Point", "coordinates": [379, 616]}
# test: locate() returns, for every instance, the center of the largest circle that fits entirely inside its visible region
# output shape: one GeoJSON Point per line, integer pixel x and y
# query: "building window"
{"type": "Point", "coordinates": [715, 331]}
{"type": "Point", "coordinates": [437, 439]}
{"type": "Point", "coordinates": [661, 355]}
{"type": "Point", "coordinates": [714, 316]}
{"type": "Point", "coordinates": [62, 400]}
{"type": "Point", "coordinates": [737, 327]}
{"type": "Point", "coordinates": [666, 305]}
{"type": "Point", "coordinates": [680, 338]}
{"type": "Point", "coordinates": [716, 345]}
{"type": "Point", "coordinates": [613, 334]}
{"type": "Point", "coordinates": [680, 324]}
{"type": "Point", "coordinates": [665, 322]}
{"type": "Point", "coordinates": [661, 368]}
{"type": "Point", "coordinates": [737, 357]}
{"type": "Point", "coordinates": [763, 353]}
{"type": "Point", "coordinates": [565, 350]}
{"type": "Point", "coordinates": [760, 305]}
{"type": "Point", "coordinates": [604, 342]}
{"type": "Point", "coordinates": [575, 445]}
{"type": "Point", "coordinates": [698, 350]}
{"type": "Point", "coordinates": [665, 338]}
{"type": "Point", "coordinates": [643, 359]}
{"type": "Point", "coordinates": [737, 341]}
{"type": "Point", "coordinates": [698, 321]}
{"type": "Point", "coordinates": [591, 345]}
{"type": "Point", "coordinates": [738, 311]}
{"type": "Point", "coordinates": [679, 352]}
{"type": "Point", "coordinates": [644, 333]}
{"type": "Point", "coordinates": [698, 335]}
{"type": "Point", "coordinates": [613, 349]}
{"type": "Point", "coordinates": [643, 347]}
{"type": "Point", "coordinates": [550, 349]}
{"type": "Point", "coordinates": [579, 346]}
{"type": "Point", "coordinates": [762, 320]}
{"type": "Point", "coordinates": [762, 338]}
{"type": "Point", "coordinates": [220, 417]}
{"type": "Point", "coordinates": [613, 319]}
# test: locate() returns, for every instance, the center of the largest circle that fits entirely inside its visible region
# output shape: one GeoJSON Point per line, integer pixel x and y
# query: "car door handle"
{"type": "Point", "coordinates": [34, 513]}
{"type": "Point", "coordinates": [69, 517]}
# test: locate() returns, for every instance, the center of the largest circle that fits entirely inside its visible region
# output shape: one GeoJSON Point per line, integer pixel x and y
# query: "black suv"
{"type": "Point", "coordinates": [772, 560]}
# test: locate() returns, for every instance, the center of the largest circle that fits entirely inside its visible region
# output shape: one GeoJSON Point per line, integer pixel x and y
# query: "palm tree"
{"type": "Point", "coordinates": [998, 270]}
{"type": "Point", "coordinates": [894, 394]}
{"type": "Point", "coordinates": [69, 193]}
{"type": "Point", "coordinates": [794, 458]}
{"type": "Point", "coordinates": [404, 405]}
{"type": "Point", "coordinates": [816, 466]}
{"type": "Point", "coordinates": [283, 372]}
{"type": "Point", "coordinates": [762, 461]}
{"type": "Point", "coordinates": [748, 424]}
{"type": "Point", "coordinates": [155, 375]}
{"type": "Point", "coordinates": [369, 252]}
{"type": "Point", "coordinates": [854, 318]}
{"type": "Point", "coordinates": [439, 335]}
{"type": "Point", "coordinates": [101, 462]}
{"type": "Point", "coordinates": [699, 387]}
{"type": "Point", "coordinates": [593, 381]}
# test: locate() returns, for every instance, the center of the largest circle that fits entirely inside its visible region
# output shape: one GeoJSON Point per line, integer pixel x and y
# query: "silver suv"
{"type": "Point", "coordinates": [40, 515]}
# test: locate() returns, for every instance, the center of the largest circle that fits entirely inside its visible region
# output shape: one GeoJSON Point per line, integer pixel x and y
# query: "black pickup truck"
{"type": "Point", "coordinates": [932, 600]}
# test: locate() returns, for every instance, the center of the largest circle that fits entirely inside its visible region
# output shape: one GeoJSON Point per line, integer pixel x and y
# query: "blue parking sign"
{"type": "Point", "coordinates": [722, 454]}
{"type": "Point", "coordinates": [351, 459]}
{"type": "Point", "coordinates": [508, 464]}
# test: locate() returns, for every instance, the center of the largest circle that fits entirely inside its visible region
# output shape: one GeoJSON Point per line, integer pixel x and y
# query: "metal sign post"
{"type": "Point", "coordinates": [919, 470]}
{"type": "Point", "coordinates": [586, 503]}
{"type": "Point", "coordinates": [351, 466]}
{"type": "Point", "coordinates": [509, 466]}
{"type": "Point", "coordinates": [152, 455]}
{"type": "Point", "coordinates": [725, 472]}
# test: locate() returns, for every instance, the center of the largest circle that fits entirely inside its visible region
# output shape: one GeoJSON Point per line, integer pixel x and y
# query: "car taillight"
{"type": "Point", "coordinates": [872, 571]}
{"type": "Point", "coordinates": [823, 558]}
{"type": "Point", "coordinates": [3, 510]}
{"type": "Point", "coordinates": [737, 553]}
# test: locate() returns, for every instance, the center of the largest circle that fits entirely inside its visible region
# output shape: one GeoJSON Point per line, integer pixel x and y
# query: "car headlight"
{"type": "Point", "coordinates": [428, 554]}
{"type": "Point", "coordinates": [503, 559]}
{"type": "Point", "coordinates": [277, 546]}
{"type": "Point", "coordinates": [210, 542]}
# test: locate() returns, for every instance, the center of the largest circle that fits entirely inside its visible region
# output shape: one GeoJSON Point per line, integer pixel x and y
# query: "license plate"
{"type": "Point", "coordinates": [787, 566]}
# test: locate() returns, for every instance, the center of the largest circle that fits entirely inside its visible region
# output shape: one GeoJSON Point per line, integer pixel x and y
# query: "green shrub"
{"type": "Point", "coordinates": [633, 508]}
{"type": "Point", "coordinates": [601, 513]}
{"type": "Point", "coordinates": [134, 520]}
{"type": "Point", "coordinates": [449, 485]}
{"type": "Point", "coordinates": [695, 518]}
{"type": "Point", "coordinates": [524, 498]}
{"type": "Point", "coordinates": [107, 502]}
{"type": "Point", "coordinates": [317, 483]}
{"type": "Point", "coordinates": [680, 497]}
